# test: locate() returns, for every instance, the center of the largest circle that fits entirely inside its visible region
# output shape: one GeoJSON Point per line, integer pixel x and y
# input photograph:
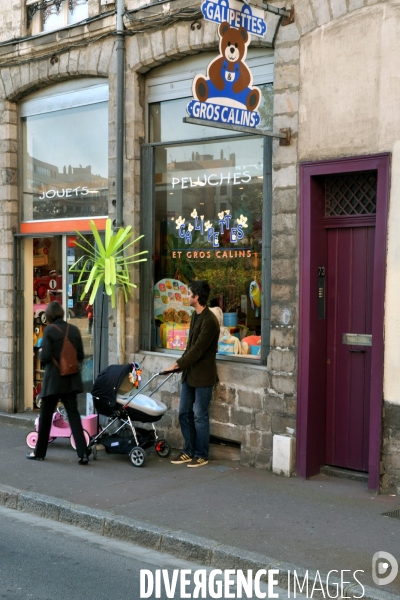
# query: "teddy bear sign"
{"type": "Point", "coordinates": [226, 94]}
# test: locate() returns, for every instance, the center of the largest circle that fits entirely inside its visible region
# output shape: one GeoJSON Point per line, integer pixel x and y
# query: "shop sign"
{"type": "Point", "coordinates": [225, 224]}
{"type": "Point", "coordinates": [225, 253]}
{"type": "Point", "coordinates": [236, 14]}
{"type": "Point", "coordinates": [67, 192]}
{"type": "Point", "coordinates": [226, 94]}
{"type": "Point", "coordinates": [213, 179]}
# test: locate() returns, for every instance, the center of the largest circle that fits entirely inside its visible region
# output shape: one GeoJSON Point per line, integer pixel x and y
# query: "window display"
{"type": "Point", "coordinates": [208, 225]}
{"type": "Point", "coordinates": [47, 287]}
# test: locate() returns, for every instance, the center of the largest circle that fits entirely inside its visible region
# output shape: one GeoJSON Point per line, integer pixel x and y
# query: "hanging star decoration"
{"type": "Point", "coordinates": [242, 220]}
{"type": "Point", "coordinates": [179, 221]}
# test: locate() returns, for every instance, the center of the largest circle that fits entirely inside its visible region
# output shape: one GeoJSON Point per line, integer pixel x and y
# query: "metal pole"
{"type": "Point", "coordinates": [120, 115]}
{"type": "Point", "coordinates": [14, 407]}
{"type": "Point", "coordinates": [267, 251]}
{"type": "Point", "coordinates": [281, 12]}
{"type": "Point", "coordinates": [119, 168]}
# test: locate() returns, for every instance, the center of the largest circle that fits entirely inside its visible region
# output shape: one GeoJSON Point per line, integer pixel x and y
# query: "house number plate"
{"type": "Point", "coordinates": [357, 339]}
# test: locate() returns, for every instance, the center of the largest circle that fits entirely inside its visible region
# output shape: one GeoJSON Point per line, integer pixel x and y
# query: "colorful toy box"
{"type": "Point", "coordinates": [174, 335]}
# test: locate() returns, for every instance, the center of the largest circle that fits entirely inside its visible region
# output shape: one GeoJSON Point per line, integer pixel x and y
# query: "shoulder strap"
{"type": "Point", "coordinates": [65, 336]}
{"type": "Point", "coordinates": [59, 329]}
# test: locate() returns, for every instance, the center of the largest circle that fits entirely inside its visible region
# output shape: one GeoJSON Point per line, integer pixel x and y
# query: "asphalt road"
{"type": "Point", "coordinates": [46, 560]}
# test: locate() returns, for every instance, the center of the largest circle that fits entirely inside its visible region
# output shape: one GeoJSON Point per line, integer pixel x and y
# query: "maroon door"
{"type": "Point", "coordinates": [349, 287]}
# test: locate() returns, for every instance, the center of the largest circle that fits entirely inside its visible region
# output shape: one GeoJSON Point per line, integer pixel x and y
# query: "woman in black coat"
{"type": "Point", "coordinates": [59, 388]}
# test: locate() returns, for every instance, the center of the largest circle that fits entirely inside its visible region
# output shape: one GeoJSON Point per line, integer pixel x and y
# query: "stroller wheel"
{"type": "Point", "coordinates": [163, 448]}
{"type": "Point", "coordinates": [137, 456]}
{"type": "Point", "coordinates": [94, 451]}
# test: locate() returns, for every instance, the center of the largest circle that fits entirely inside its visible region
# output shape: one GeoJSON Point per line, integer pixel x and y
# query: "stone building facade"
{"type": "Point", "coordinates": [335, 84]}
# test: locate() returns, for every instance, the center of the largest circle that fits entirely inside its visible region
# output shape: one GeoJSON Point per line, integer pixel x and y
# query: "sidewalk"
{"type": "Point", "coordinates": [321, 524]}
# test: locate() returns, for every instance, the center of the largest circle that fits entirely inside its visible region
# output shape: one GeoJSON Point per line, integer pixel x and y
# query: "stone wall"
{"type": "Point", "coordinates": [390, 461]}
{"type": "Point", "coordinates": [8, 225]}
{"type": "Point", "coordinates": [11, 19]}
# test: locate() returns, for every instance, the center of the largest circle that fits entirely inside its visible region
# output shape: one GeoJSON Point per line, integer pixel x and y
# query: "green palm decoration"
{"type": "Point", "coordinates": [106, 263]}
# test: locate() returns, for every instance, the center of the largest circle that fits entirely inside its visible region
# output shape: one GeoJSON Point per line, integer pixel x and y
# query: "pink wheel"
{"type": "Point", "coordinates": [85, 435]}
{"type": "Point", "coordinates": [31, 439]}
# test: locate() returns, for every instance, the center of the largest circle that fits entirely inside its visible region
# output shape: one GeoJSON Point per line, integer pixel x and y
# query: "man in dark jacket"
{"type": "Point", "coordinates": [57, 387]}
{"type": "Point", "coordinates": [199, 374]}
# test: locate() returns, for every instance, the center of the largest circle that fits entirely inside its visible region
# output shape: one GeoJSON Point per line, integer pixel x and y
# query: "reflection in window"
{"type": "Point", "coordinates": [165, 119]}
{"type": "Point", "coordinates": [65, 163]}
{"type": "Point", "coordinates": [208, 225]}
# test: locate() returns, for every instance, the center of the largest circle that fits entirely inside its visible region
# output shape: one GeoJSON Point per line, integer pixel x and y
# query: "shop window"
{"type": "Point", "coordinates": [47, 15]}
{"type": "Point", "coordinates": [207, 197]}
{"type": "Point", "coordinates": [65, 154]}
{"type": "Point", "coordinates": [208, 225]}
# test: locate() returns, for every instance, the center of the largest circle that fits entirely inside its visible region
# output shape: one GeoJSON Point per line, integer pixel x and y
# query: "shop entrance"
{"type": "Point", "coordinates": [47, 261]}
{"type": "Point", "coordinates": [343, 229]}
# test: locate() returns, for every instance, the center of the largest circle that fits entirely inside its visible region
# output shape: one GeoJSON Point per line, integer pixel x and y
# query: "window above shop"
{"type": "Point", "coordinates": [64, 133]}
{"type": "Point", "coordinates": [169, 90]}
{"type": "Point", "coordinates": [47, 15]}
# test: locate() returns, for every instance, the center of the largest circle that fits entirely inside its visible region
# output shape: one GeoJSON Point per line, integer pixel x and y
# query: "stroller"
{"type": "Point", "coordinates": [114, 397]}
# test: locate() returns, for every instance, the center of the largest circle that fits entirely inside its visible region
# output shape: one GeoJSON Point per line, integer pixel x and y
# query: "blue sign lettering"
{"type": "Point", "coordinates": [223, 114]}
{"type": "Point", "coordinates": [236, 14]}
{"type": "Point", "coordinates": [226, 94]}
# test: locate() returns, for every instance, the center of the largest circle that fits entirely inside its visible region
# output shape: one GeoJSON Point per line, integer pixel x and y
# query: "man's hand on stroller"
{"type": "Point", "coordinates": [174, 367]}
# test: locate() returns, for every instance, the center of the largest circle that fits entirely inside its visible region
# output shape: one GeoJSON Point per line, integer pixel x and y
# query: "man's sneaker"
{"type": "Point", "coordinates": [181, 458]}
{"type": "Point", "coordinates": [198, 462]}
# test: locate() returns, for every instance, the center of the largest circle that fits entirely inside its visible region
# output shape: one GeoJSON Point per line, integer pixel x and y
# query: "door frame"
{"type": "Point", "coordinates": [22, 363]}
{"type": "Point", "coordinates": [311, 384]}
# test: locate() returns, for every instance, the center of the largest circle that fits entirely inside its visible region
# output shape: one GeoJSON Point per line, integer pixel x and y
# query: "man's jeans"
{"type": "Point", "coordinates": [193, 419]}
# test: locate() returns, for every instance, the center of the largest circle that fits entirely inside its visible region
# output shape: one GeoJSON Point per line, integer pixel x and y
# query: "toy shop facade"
{"type": "Point", "coordinates": [204, 203]}
{"type": "Point", "coordinates": [200, 195]}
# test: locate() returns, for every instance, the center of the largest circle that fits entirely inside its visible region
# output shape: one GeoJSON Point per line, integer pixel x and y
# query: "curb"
{"type": "Point", "coordinates": [26, 420]}
{"type": "Point", "coordinates": [178, 543]}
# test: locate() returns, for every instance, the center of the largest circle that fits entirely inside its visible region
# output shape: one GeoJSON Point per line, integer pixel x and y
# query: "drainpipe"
{"type": "Point", "coordinates": [119, 119]}
{"type": "Point", "coordinates": [119, 171]}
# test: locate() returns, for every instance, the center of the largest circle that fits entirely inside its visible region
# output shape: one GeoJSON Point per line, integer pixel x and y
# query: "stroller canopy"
{"type": "Point", "coordinates": [109, 381]}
